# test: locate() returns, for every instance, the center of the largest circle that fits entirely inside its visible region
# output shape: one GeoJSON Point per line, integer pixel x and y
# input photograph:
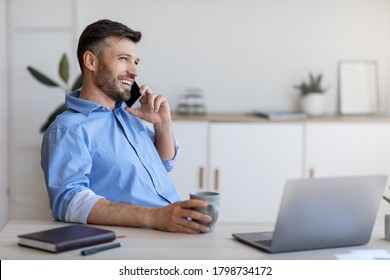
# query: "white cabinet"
{"type": "Point", "coordinates": [189, 173]}
{"type": "Point", "coordinates": [345, 148]}
{"type": "Point", "coordinates": [337, 149]}
{"type": "Point", "coordinates": [248, 163]}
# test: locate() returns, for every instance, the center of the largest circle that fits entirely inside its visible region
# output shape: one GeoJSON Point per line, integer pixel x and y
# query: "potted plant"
{"type": "Point", "coordinates": [312, 95]}
{"type": "Point", "coordinates": [63, 71]}
{"type": "Point", "coordinates": [387, 221]}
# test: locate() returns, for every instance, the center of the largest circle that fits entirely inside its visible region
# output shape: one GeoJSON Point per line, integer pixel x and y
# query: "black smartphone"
{"type": "Point", "coordinates": [135, 95]}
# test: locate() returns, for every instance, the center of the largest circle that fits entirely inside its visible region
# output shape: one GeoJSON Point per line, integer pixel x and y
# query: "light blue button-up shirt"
{"type": "Point", "coordinates": [91, 152]}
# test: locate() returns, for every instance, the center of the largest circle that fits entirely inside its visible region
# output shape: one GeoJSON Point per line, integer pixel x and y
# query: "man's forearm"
{"type": "Point", "coordinates": [106, 212]}
{"type": "Point", "coordinates": [175, 217]}
{"type": "Point", "coordinates": [164, 142]}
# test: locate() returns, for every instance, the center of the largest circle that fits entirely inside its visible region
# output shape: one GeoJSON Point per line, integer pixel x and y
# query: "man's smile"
{"type": "Point", "coordinates": [126, 83]}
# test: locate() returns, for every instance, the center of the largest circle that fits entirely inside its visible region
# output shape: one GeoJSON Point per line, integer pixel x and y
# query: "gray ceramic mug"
{"type": "Point", "coordinates": [212, 209]}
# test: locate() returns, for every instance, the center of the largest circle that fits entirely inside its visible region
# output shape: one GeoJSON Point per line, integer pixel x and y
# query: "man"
{"type": "Point", "coordinates": [102, 165]}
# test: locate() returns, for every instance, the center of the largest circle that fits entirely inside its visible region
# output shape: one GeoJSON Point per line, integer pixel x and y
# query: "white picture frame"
{"type": "Point", "coordinates": [358, 87]}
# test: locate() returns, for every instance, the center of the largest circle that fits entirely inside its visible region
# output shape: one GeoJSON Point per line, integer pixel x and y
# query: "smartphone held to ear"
{"type": "Point", "coordinates": [135, 95]}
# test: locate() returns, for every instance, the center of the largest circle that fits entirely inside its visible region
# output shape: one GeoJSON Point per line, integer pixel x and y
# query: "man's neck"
{"type": "Point", "coordinates": [94, 94]}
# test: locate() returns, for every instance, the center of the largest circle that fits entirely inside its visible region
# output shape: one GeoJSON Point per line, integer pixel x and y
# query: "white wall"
{"type": "Point", "coordinates": [3, 115]}
{"type": "Point", "coordinates": [243, 54]}
{"type": "Point", "coordinates": [248, 53]}
{"type": "Point", "coordinates": [40, 31]}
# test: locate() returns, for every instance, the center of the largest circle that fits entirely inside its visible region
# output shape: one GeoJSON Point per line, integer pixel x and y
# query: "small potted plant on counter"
{"type": "Point", "coordinates": [312, 95]}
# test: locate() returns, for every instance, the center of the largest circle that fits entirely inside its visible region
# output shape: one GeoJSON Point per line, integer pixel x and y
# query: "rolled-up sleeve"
{"type": "Point", "coordinates": [80, 206]}
{"type": "Point", "coordinates": [169, 164]}
{"type": "Point", "coordinates": [66, 163]}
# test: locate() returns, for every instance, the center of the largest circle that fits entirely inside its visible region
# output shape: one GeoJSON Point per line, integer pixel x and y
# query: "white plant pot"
{"type": "Point", "coordinates": [387, 227]}
{"type": "Point", "coordinates": [313, 104]}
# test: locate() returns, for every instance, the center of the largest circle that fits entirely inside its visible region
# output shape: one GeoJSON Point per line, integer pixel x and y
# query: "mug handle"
{"type": "Point", "coordinates": [213, 214]}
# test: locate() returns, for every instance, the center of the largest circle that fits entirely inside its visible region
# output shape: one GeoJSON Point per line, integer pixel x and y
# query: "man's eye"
{"type": "Point", "coordinates": [123, 58]}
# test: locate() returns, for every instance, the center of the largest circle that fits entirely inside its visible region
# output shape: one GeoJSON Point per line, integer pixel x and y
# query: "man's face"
{"type": "Point", "coordinates": [117, 68]}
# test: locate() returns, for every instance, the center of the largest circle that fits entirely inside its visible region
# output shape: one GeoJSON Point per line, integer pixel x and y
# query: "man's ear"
{"type": "Point", "coordinates": [90, 61]}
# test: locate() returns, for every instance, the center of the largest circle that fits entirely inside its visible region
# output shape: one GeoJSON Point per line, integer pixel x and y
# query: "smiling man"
{"type": "Point", "coordinates": [102, 165]}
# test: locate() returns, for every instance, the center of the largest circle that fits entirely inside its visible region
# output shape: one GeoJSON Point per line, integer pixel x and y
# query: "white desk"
{"type": "Point", "coordinates": [148, 244]}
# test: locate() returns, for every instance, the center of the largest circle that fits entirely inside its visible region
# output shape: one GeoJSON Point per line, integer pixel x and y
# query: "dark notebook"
{"type": "Point", "coordinates": [66, 238]}
{"type": "Point", "coordinates": [280, 115]}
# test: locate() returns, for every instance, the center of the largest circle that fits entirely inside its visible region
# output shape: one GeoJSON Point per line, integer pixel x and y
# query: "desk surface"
{"type": "Point", "coordinates": [148, 244]}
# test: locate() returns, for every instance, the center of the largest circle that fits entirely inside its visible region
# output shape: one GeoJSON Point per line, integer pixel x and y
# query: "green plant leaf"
{"type": "Point", "coordinates": [312, 86]}
{"type": "Point", "coordinates": [78, 83]}
{"type": "Point", "coordinates": [63, 68]}
{"type": "Point", "coordinates": [52, 117]}
{"type": "Point", "coordinates": [42, 77]}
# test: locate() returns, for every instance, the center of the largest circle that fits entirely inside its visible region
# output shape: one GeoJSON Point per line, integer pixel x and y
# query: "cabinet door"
{"type": "Point", "coordinates": [338, 149]}
{"type": "Point", "coordinates": [189, 173]}
{"type": "Point", "coordinates": [249, 165]}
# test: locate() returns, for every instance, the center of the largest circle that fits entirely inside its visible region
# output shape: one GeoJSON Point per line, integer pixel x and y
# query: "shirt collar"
{"type": "Point", "coordinates": [85, 107]}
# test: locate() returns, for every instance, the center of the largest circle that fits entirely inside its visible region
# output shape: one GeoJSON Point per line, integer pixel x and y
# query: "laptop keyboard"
{"type": "Point", "coordinates": [266, 243]}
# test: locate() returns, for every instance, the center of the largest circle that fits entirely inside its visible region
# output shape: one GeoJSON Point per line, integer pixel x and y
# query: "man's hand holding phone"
{"type": "Point", "coordinates": [154, 108]}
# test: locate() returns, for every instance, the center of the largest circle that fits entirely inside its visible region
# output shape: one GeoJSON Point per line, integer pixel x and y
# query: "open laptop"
{"type": "Point", "coordinates": [319, 213]}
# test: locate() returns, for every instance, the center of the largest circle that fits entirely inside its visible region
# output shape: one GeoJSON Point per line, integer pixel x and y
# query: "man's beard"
{"type": "Point", "coordinates": [108, 84]}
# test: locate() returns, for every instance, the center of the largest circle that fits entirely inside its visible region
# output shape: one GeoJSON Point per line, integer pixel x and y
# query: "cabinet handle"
{"type": "Point", "coordinates": [216, 179]}
{"type": "Point", "coordinates": [311, 173]}
{"type": "Point", "coordinates": [200, 178]}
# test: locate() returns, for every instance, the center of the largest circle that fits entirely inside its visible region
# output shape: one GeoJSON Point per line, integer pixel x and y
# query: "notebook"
{"type": "Point", "coordinates": [322, 213]}
{"type": "Point", "coordinates": [280, 115]}
{"type": "Point", "coordinates": [66, 238]}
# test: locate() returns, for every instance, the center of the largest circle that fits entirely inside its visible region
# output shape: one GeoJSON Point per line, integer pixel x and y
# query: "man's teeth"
{"type": "Point", "coordinates": [126, 82]}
